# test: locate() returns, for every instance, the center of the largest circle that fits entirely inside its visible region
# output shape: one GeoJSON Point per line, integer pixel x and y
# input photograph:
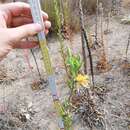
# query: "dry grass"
{"type": "Point", "coordinates": [70, 12]}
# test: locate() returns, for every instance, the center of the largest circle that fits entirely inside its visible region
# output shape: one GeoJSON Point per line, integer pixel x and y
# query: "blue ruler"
{"type": "Point", "coordinates": [37, 18]}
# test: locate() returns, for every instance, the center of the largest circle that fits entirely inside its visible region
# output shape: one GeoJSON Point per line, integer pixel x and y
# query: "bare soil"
{"type": "Point", "coordinates": [29, 109]}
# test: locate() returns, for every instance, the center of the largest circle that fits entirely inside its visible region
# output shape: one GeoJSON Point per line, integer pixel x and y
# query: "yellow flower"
{"type": "Point", "coordinates": [82, 80]}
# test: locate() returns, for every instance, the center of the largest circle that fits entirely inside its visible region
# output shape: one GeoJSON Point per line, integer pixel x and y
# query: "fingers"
{"type": "Point", "coordinates": [20, 8]}
{"type": "Point", "coordinates": [45, 15]}
{"type": "Point", "coordinates": [18, 21]}
{"type": "Point", "coordinates": [19, 33]}
{"type": "Point", "coordinates": [26, 44]}
{"type": "Point", "coordinates": [17, 8]}
{"type": "Point", "coordinates": [47, 24]}
{"type": "Point", "coordinates": [16, 34]}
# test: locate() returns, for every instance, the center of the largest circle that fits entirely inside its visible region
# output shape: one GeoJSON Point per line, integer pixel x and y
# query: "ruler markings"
{"type": "Point", "coordinates": [37, 18]}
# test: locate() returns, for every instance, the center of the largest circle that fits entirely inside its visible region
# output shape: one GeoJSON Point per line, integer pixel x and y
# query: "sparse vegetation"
{"type": "Point", "coordinates": [92, 37]}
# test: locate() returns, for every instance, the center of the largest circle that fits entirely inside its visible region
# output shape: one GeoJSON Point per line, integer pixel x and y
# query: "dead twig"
{"type": "Point", "coordinates": [127, 47]}
{"type": "Point", "coordinates": [96, 42]}
{"type": "Point", "coordinates": [85, 43]}
{"type": "Point", "coordinates": [38, 70]}
{"type": "Point", "coordinates": [82, 36]}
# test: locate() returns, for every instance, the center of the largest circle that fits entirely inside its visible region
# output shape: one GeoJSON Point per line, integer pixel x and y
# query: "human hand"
{"type": "Point", "coordinates": [16, 25]}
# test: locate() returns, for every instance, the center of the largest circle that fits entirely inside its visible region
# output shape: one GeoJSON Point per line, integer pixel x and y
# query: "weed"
{"type": "Point", "coordinates": [64, 113]}
{"type": "Point", "coordinates": [85, 108]}
{"type": "Point", "coordinates": [76, 81]}
{"type": "Point", "coordinates": [80, 100]}
{"type": "Point", "coordinates": [74, 64]}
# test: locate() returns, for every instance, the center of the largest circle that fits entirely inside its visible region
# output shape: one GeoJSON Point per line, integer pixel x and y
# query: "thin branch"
{"type": "Point", "coordinates": [90, 57]}
{"type": "Point", "coordinates": [82, 36]}
{"type": "Point", "coordinates": [34, 57]}
{"type": "Point", "coordinates": [96, 25]}
{"type": "Point", "coordinates": [127, 47]}
{"type": "Point", "coordinates": [101, 23]}
{"type": "Point", "coordinates": [85, 41]}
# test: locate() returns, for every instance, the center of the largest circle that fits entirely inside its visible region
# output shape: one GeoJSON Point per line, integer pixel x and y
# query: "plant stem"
{"type": "Point", "coordinates": [82, 36]}
{"type": "Point", "coordinates": [34, 57]}
{"type": "Point", "coordinates": [90, 57]}
{"type": "Point", "coordinates": [102, 32]}
{"type": "Point", "coordinates": [62, 13]}
{"type": "Point", "coordinates": [101, 18]}
{"type": "Point", "coordinates": [127, 47]}
{"type": "Point", "coordinates": [59, 34]}
{"type": "Point", "coordinates": [85, 43]}
{"type": "Point", "coordinates": [96, 26]}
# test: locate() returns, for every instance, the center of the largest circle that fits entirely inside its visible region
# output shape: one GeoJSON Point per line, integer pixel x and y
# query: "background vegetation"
{"type": "Point", "coordinates": [69, 11]}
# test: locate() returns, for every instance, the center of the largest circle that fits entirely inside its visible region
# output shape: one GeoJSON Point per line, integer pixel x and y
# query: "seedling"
{"type": "Point", "coordinates": [74, 65]}
{"type": "Point", "coordinates": [65, 114]}
{"type": "Point", "coordinates": [76, 81]}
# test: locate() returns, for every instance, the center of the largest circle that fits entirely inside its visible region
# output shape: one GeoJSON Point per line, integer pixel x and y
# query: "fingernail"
{"type": "Point", "coordinates": [38, 27]}
{"type": "Point", "coordinates": [45, 15]}
{"type": "Point", "coordinates": [46, 31]}
{"type": "Point", "coordinates": [47, 24]}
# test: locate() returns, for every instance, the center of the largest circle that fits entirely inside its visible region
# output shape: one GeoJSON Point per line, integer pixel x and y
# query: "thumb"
{"type": "Point", "coordinates": [25, 31]}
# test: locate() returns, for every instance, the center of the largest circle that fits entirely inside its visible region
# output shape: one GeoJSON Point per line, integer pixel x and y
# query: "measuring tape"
{"type": "Point", "coordinates": [37, 18]}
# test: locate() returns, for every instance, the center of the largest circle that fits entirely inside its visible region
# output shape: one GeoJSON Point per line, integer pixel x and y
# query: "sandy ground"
{"type": "Point", "coordinates": [16, 80]}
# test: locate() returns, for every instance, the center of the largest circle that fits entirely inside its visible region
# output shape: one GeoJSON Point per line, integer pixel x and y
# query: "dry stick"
{"type": "Point", "coordinates": [101, 17]}
{"type": "Point", "coordinates": [59, 34]}
{"type": "Point", "coordinates": [127, 47]}
{"type": "Point", "coordinates": [62, 13]}
{"type": "Point", "coordinates": [85, 40]}
{"type": "Point", "coordinates": [82, 36]}
{"type": "Point", "coordinates": [96, 25]}
{"type": "Point", "coordinates": [104, 60]}
{"type": "Point", "coordinates": [28, 62]}
{"type": "Point", "coordinates": [114, 2]}
{"type": "Point", "coordinates": [108, 23]}
{"type": "Point", "coordinates": [96, 28]}
{"type": "Point", "coordinates": [102, 33]}
{"type": "Point", "coordinates": [38, 70]}
{"type": "Point", "coordinates": [90, 57]}
{"type": "Point", "coordinates": [101, 22]}
{"type": "Point", "coordinates": [118, 5]}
